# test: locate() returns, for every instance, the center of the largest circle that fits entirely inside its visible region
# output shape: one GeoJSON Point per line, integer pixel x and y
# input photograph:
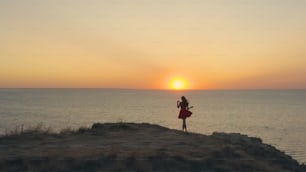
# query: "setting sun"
{"type": "Point", "coordinates": [178, 84]}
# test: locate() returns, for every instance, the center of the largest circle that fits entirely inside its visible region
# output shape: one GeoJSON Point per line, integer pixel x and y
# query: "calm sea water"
{"type": "Point", "coordinates": [278, 117]}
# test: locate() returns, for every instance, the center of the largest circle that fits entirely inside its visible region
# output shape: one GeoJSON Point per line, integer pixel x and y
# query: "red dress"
{"type": "Point", "coordinates": [184, 113]}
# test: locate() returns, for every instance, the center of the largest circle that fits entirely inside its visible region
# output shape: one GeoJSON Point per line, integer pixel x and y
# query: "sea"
{"type": "Point", "coordinates": [278, 117]}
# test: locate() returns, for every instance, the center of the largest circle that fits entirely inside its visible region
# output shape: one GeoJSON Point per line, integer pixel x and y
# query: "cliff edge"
{"type": "Point", "coordinates": [139, 147]}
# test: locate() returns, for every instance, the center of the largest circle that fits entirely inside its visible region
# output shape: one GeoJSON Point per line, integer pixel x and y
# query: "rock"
{"type": "Point", "coordinates": [141, 147]}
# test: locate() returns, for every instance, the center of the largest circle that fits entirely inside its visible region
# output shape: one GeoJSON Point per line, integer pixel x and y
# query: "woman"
{"type": "Point", "coordinates": [184, 112]}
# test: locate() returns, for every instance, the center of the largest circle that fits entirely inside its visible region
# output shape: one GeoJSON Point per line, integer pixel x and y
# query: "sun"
{"type": "Point", "coordinates": [178, 84]}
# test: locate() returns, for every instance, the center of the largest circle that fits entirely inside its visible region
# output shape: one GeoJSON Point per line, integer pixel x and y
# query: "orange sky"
{"type": "Point", "coordinates": [141, 44]}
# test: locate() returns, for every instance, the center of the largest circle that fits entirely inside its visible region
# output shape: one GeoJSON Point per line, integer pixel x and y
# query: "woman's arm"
{"type": "Point", "coordinates": [178, 104]}
{"type": "Point", "coordinates": [189, 107]}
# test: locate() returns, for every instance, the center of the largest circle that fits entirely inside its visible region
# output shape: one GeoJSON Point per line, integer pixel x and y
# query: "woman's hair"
{"type": "Point", "coordinates": [184, 101]}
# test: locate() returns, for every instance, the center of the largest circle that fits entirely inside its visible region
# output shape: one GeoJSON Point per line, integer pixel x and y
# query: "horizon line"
{"type": "Point", "coordinates": [155, 89]}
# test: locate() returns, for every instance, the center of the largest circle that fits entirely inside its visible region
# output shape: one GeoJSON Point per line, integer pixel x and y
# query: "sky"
{"type": "Point", "coordinates": [145, 44]}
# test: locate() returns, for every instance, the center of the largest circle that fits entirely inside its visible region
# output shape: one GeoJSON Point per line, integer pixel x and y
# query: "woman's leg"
{"type": "Point", "coordinates": [184, 124]}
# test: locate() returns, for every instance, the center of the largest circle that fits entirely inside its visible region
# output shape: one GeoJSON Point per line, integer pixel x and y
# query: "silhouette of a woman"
{"type": "Point", "coordinates": [184, 111]}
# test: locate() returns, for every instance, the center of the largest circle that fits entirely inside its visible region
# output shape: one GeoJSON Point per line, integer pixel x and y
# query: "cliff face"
{"type": "Point", "coordinates": [139, 147]}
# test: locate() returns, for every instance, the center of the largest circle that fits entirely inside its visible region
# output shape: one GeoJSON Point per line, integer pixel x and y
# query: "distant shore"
{"type": "Point", "coordinates": [138, 147]}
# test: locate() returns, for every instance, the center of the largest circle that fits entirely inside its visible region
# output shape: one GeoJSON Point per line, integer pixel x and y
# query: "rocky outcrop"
{"type": "Point", "coordinates": [140, 147]}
